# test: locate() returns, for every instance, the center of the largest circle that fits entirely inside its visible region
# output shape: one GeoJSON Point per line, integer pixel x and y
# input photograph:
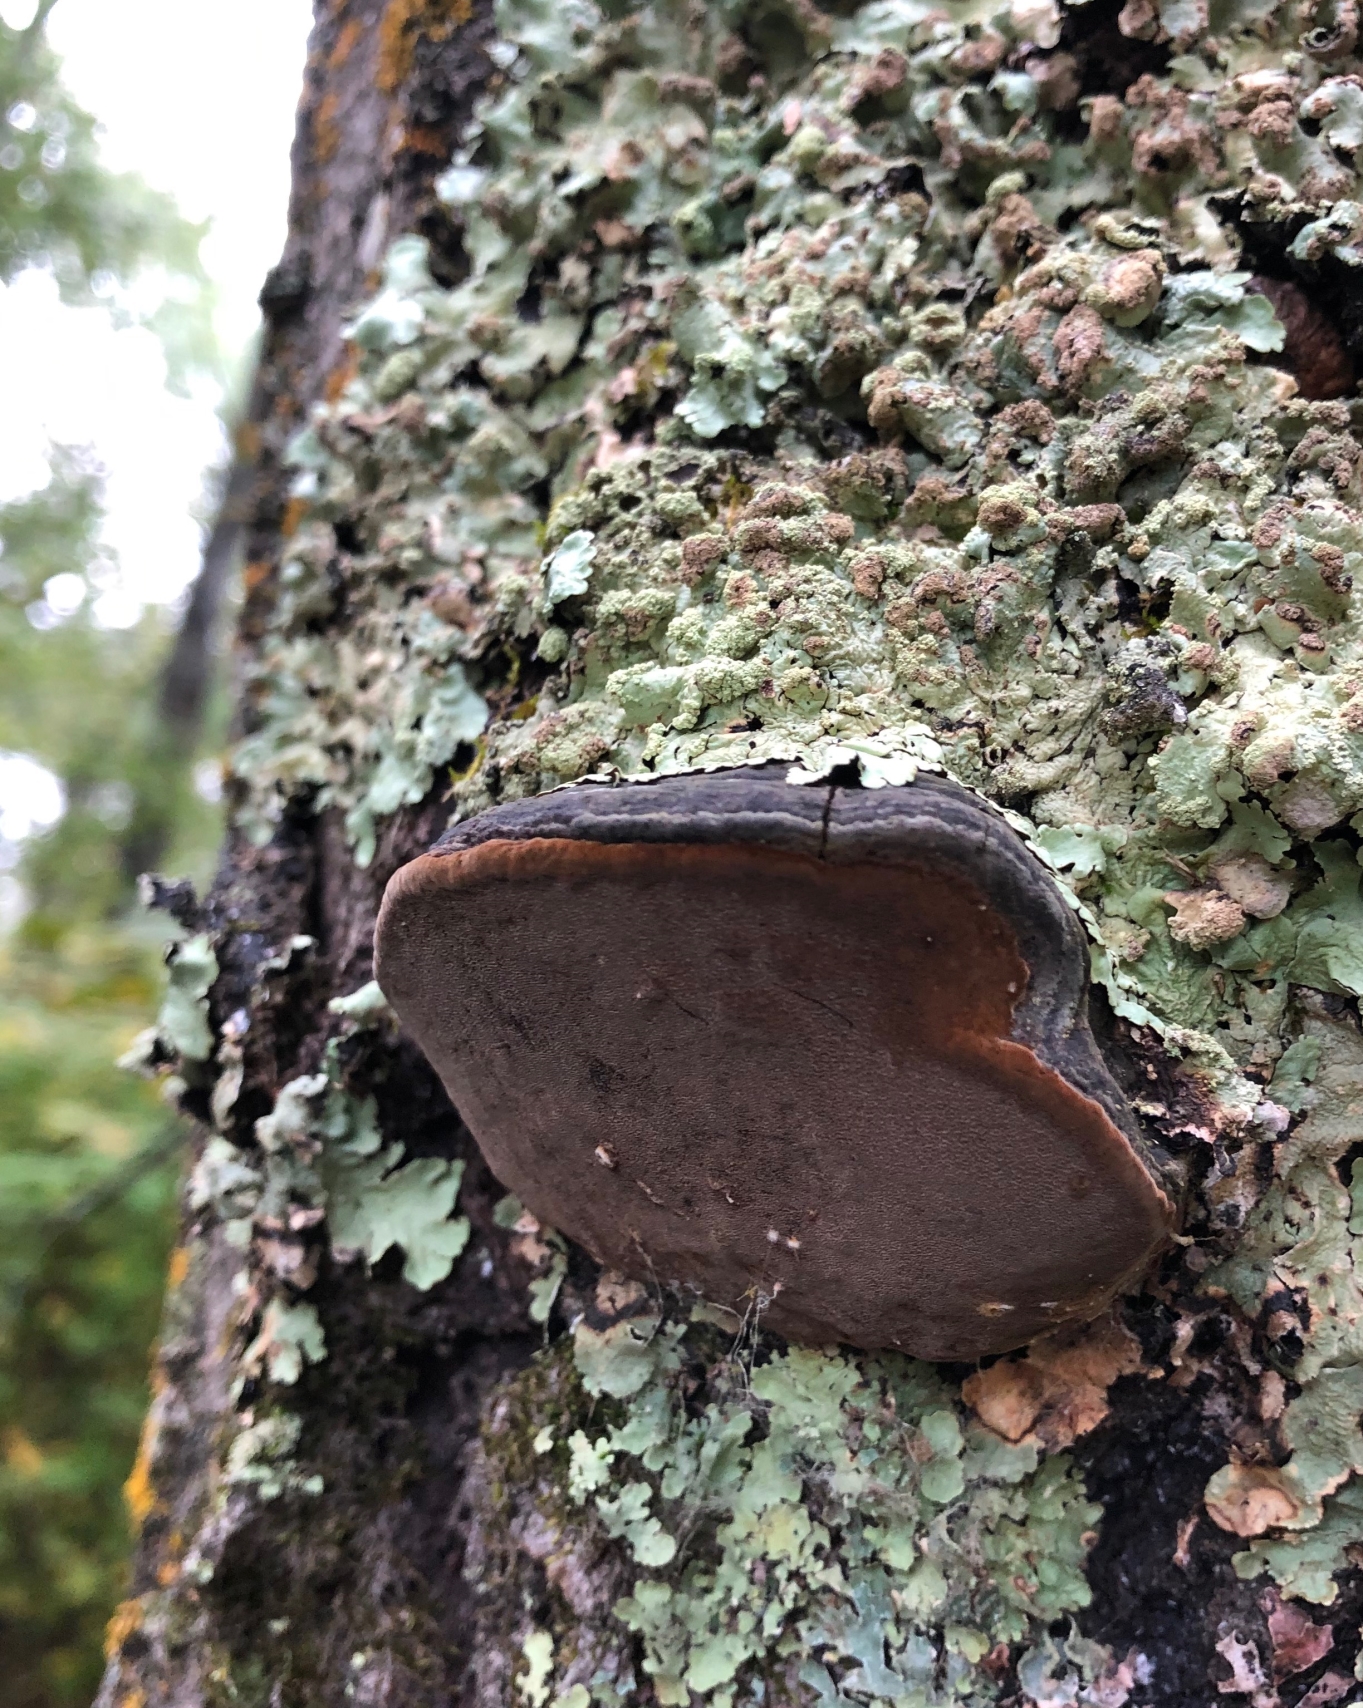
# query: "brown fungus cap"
{"type": "Point", "coordinates": [821, 1047]}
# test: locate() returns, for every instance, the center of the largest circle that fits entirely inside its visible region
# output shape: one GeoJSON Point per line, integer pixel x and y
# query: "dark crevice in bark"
{"type": "Point", "coordinates": [1161, 1572]}
{"type": "Point", "coordinates": [1108, 61]}
{"type": "Point", "coordinates": [1148, 1465]}
{"type": "Point", "coordinates": [1317, 301]}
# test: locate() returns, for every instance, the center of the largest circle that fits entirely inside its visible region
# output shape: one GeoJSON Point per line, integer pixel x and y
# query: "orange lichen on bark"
{"type": "Point", "coordinates": [139, 1496]}
{"type": "Point", "coordinates": [246, 440]}
{"type": "Point", "coordinates": [294, 512]}
{"type": "Point", "coordinates": [422, 139]}
{"type": "Point", "coordinates": [125, 1619]}
{"type": "Point", "coordinates": [340, 377]}
{"type": "Point", "coordinates": [326, 128]}
{"type": "Point", "coordinates": [345, 44]}
{"type": "Point", "coordinates": [403, 24]}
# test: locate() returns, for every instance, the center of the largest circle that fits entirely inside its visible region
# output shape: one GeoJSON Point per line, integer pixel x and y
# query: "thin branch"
{"type": "Point", "coordinates": [33, 30]}
{"type": "Point", "coordinates": [114, 1186]}
{"type": "Point", "coordinates": [97, 1197]}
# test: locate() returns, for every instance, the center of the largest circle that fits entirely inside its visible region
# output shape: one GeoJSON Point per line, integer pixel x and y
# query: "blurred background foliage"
{"type": "Point", "coordinates": [89, 1155]}
{"type": "Point", "coordinates": [96, 231]}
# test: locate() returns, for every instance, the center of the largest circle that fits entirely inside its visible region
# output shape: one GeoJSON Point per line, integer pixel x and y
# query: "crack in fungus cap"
{"type": "Point", "coordinates": [822, 1049]}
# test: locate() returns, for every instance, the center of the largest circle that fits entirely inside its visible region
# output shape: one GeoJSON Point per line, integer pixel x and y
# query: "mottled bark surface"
{"type": "Point", "coordinates": [361, 1590]}
{"type": "Point", "coordinates": [299, 1589]}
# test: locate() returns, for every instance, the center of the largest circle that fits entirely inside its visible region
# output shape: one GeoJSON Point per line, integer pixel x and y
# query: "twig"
{"type": "Point", "coordinates": [33, 31]}
{"type": "Point", "coordinates": [98, 1197]}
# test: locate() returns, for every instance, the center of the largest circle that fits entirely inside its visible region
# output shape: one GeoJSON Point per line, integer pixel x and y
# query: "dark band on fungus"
{"type": "Point", "coordinates": [821, 1047]}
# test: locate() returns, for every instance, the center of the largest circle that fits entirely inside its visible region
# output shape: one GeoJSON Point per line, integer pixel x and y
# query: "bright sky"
{"type": "Point", "coordinates": [199, 98]}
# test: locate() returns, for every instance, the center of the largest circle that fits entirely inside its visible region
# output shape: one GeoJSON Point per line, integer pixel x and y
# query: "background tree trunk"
{"type": "Point", "coordinates": [352, 1479]}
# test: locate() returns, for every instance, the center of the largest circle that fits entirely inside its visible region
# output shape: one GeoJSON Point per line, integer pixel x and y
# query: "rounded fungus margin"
{"type": "Point", "coordinates": [821, 1048]}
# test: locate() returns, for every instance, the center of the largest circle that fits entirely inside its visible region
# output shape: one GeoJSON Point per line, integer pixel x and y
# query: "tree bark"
{"type": "Point", "coordinates": [973, 396]}
{"type": "Point", "coordinates": [387, 87]}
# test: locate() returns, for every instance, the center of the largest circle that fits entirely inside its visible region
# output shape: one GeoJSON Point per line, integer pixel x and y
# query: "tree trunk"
{"type": "Point", "coordinates": [950, 410]}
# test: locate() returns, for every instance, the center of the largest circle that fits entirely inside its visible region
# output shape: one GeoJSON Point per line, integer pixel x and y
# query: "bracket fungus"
{"type": "Point", "coordinates": [821, 1048]}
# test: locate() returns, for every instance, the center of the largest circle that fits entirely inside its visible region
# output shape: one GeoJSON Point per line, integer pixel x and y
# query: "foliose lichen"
{"type": "Point", "coordinates": [322, 1163]}
{"type": "Point", "coordinates": [805, 1527]}
{"type": "Point", "coordinates": [1297, 1272]}
{"type": "Point", "coordinates": [320, 1177]}
{"type": "Point", "coordinates": [182, 1032]}
{"type": "Point", "coordinates": [883, 388]}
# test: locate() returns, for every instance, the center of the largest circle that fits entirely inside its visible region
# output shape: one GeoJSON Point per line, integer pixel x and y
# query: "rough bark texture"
{"type": "Point", "coordinates": [297, 1593]}
{"type": "Point", "coordinates": [402, 1516]}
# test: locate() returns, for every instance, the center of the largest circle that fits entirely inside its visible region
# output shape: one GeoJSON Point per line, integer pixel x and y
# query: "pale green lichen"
{"type": "Point", "coordinates": [261, 1459]}
{"type": "Point", "coordinates": [322, 1155]}
{"type": "Point", "coordinates": [510, 1214]}
{"type": "Point", "coordinates": [1297, 1270]}
{"type": "Point", "coordinates": [182, 1027]}
{"type": "Point", "coordinates": [720, 454]}
{"type": "Point", "coordinates": [953, 599]}
{"type": "Point", "coordinates": [289, 1337]}
{"type": "Point", "coordinates": [533, 1684]}
{"type": "Point", "coordinates": [815, 1521]}
{"type": "Point", "coordinates": [320, 1169]}
{"type": "Point", "coordinates": [183, 1020]}
{"type": "Point", "coordinates": [367, 1006]}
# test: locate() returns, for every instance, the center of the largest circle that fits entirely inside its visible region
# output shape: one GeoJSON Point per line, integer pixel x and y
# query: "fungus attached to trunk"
{"type": "Point", "coordinates": [823, 1050]}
